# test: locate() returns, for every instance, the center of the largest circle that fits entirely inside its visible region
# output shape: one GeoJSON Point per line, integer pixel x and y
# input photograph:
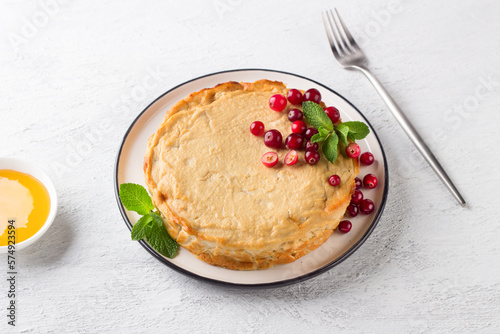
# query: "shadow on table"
{"type": "Point", "coordinates": [51, 246]}
{"type": "Point", "coordinates": [359, 270]}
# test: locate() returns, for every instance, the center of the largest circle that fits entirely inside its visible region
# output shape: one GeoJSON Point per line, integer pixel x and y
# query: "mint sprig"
{"type": "Point", "coordinates": [331, 134]}
{"type": "Point", "coordinates": [150, 226]}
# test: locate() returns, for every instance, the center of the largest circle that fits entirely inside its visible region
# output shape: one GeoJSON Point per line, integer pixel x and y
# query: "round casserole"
{"type": "Point", "coordinates": [203, 170]}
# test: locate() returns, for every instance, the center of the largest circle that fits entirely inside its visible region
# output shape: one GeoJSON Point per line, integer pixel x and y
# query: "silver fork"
{"type": "Point", "coordinates": [349, 56]}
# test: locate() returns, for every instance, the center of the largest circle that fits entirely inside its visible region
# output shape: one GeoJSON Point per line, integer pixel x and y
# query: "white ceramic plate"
{"type": "Point", "coordinates": [336, 249]}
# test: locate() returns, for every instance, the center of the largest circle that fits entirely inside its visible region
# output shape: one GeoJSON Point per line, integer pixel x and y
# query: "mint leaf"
{"type": "Point", "coordinates": [316, 116]}
{"type": "Point", "coordinates": [142, 228]}
{"type": "Point", "coordinates": [160, 240]}
{"type": "Point", "coordinates": [330, 147]}
{"type": "Point", "coordinates": [318, 137]}
{"type": "Point", "coordinates": [357, 130]}
{"type": "Point", "coordinates": [135, 198]}
{"type": "Point", "coordinates": [342, 130]}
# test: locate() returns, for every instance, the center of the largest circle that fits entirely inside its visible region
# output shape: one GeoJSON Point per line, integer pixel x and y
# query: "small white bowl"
{"type": "Point", "coordinates": [29, 168]}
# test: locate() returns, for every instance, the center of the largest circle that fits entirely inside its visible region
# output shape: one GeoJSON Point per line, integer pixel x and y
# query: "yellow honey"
{"type": "Point", "coordinates": [25, 200]}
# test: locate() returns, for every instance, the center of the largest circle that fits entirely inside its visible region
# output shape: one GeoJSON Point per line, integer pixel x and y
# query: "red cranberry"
{"type": "Point", "coordinates": [294, 140]}
{"type": "Point", "coordinates": [291, 158]}
{"type": "Point", "coordinates": [366, 207]}
{"type": "Point", "coordinates": [312, 157]}
{"type": "Point", "coordinates": [370, 181]}
{"type": "Point", "coordinates": [312, 95]}
{"type": "Point", "coordinates": [277, 102]}
{"type": "Point", "coordinates": [299, 127]}
{"type": "Point", "coordinates": [366, 158]}
{"type": "Point", "coordinates": [273, 138]}
{"type": "Point", "coordinates": [311, 146]}
{"type": "Point", "coordinates": [269, 159]}
{"type": "Point", "coordinates": [310, 132]}
{"type": "Point", "coordinates": [295, 115]}
{"type": "Point", "coordinates": [357, 197]}
{"type": "Point", "coordinates": [345, 226]}
{"type": "Point", "coordinates": [334, 180]}
{"type": "Point", "coordinates": [359, 183]}
{"type": "Point", "coordinates": [333, 113]}
{"type": "Point", "coordinates": [257, 128]}
{"type": "Point", "coordinates": [294, 96]}
{"type": "Point", "coordinates": [353, 150]}
{"type": "Point", "coordinates": [352, 210]}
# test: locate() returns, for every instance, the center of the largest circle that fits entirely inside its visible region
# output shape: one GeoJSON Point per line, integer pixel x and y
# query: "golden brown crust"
{"type": "Point", "coordinates": [217, 249]}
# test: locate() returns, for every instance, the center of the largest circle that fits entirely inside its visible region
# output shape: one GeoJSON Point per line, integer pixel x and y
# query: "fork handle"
{"type": "Point", "coordinates": [412, 134]}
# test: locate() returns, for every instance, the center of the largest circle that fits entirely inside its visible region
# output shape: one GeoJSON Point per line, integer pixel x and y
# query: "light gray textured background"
{"type": "Point", "coordinates": [430, 266]}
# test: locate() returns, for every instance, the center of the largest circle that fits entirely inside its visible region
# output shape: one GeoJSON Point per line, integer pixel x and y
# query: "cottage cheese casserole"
{"type": "Point", "coordinates": [203, 170]}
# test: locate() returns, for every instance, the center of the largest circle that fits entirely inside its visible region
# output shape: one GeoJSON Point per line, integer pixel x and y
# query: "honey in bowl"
{"type": "Point", "coordinates": [25, 200]}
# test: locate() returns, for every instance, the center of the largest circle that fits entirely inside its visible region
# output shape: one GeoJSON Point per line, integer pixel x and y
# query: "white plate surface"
{"type": "Point", "coordinates": [338, 247]}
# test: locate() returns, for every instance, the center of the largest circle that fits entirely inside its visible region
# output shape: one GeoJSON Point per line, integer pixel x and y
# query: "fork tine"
{"type": "Point", "coordinates": [346, 31]}
{"type": "Point", "coordinates": [333, 43]}
{"type": "Point", "coordinates": [336, 35]}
